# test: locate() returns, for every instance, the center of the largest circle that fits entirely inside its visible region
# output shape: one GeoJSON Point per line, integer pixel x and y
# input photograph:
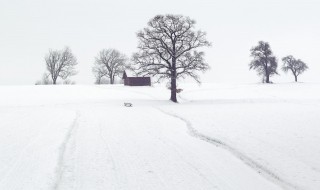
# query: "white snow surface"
{"type": "Point", "coordinates": [219, 136]}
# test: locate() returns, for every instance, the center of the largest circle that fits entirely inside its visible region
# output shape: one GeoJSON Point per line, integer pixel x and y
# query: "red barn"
{"type": "Point", "coordinates": [136, 81]}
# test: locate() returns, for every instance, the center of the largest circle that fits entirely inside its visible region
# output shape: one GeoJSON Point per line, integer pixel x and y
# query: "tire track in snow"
{"type": "Point", "coordinates": [113, 162]}
{"type": "Point", "coordinates": [62, 152]}
{"type": "Point", "coordinates": [174, 146]}
{"type": "Point", "coordinates": [260, 169]}
{"type": "Point", "coordinates": [17, 159]}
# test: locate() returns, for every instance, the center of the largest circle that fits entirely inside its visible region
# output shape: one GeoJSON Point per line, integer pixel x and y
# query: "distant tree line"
{"type": "Point", "coordinates": [168, 49]}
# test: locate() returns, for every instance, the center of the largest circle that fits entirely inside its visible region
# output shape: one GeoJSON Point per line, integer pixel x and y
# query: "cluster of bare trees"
{"type": "Point", "coordinates": [168, 49]}
{"type": "Point", "coordinates": [109, 64]}
{"type": "Point", "coordinates": [265, 63]}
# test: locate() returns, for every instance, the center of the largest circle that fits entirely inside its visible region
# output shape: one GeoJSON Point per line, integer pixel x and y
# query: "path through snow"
{"type": "Point", "coordinates": [262, 170]}
{"type": "Point", "coordinates": [84, 138]}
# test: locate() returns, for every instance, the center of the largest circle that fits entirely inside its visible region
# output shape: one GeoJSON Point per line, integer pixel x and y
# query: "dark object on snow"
{"type": "Point", "coordinates": [128, 104]}
{"type": "Point", "coordinates": [136, 81]}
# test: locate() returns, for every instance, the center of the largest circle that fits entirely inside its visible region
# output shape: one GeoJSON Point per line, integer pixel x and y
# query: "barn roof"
{"type": "Point", "coordinates": [130, 74]}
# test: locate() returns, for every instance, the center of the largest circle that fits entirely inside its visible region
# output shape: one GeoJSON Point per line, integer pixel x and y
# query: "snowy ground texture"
{"type": "Point", "coordinates": [227, 137]}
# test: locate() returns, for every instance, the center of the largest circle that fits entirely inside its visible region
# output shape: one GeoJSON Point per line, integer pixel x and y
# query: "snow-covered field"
{"type": "Point", "coordinates": [228, 137]}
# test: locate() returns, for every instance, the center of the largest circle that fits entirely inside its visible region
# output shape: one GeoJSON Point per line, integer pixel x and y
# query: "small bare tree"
{"type": "Point", "coordinates": [69, 82]}
{"type": "Point", "coordinates": [167, 49]}
{"type": "Point", "coordinates": [109, 63]}
{"type": "Point", "coordinates": [99, 73]}
{"type": "Point", "coordinates": [45, 80]}
{"type": "Point", "coordinates": [297, 67]}
{"type": "Point", "coordinates": [263, 61]}
{"type": "Point", "coordinates": [60, 64]}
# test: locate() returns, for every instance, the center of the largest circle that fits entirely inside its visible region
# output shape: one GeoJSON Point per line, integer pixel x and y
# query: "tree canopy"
{"type": "Point", "coordinates": [264, 62]}
{"type": "Point", "coordinates": [109, 63]}
{"type": "Point", "coordinates": [296, 66]}
{"type": "Point", "coordinates": [168, 49]}
{"type": "Point", "coordinates": [61, 63]}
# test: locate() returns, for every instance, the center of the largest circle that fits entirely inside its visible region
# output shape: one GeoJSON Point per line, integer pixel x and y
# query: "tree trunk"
{"type": "Point", "coordinates": [111, 80]}
{"type": "Point", "coordinates": [54, 81]}
{"type": "Point", "coordinates": [173, 79]}
{"type": "Point", "coordinates": [173, 89]}
{"type": "Point", "coordinates": [267, 73]}
{"type": "Point", "coordinates": [296, 78]}
{"type": "Point", "coordinates": [267, 79]}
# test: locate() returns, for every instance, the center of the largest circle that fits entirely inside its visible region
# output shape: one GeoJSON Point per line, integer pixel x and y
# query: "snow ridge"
{"type": "Point", "coordinates": [262, 170]}
{"type": "Point", "coordinates": [62, 152]}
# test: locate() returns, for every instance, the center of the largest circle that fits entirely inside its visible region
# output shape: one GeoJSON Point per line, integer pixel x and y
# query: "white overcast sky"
{"type": "Point", "coordinates": [28, 29]}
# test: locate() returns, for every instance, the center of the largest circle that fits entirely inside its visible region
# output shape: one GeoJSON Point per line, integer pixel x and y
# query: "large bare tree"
{"type": "Point", "coordinates": [109, 63]}
{"type": "Point", "coordinates": [296, 66]}
{"type": "Point", "coordinates": [168, 49]}
{"type": "Point", "coordinates": [60, 64]}
{"type": "Point", "coordinates": [264, 62]}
